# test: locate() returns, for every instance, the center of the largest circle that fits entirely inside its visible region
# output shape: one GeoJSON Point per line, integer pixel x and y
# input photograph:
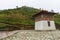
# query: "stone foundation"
{"type": "Point", "coordinates": [34, 35]}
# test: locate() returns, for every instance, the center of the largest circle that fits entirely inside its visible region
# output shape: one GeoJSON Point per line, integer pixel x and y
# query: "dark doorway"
{"type": "Point", "coordinates": [49, 23]}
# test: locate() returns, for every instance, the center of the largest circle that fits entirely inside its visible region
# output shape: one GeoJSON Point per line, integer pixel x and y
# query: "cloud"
{"type": "Point", "coordinates": [45, 4]}
{"type": "Point", "coordinates": [4, 4]}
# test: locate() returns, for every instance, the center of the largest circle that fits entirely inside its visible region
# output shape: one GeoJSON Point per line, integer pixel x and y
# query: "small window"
{"type": "Point", "coordinates": [49, 23]}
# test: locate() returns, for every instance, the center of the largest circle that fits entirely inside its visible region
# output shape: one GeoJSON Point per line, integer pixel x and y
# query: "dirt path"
{"type": "Point", "coordinates": [6, 34]}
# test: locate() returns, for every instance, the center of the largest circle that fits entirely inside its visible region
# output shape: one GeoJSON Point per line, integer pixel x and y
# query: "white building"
{"type": "Point", "coordinates": [44, 20]}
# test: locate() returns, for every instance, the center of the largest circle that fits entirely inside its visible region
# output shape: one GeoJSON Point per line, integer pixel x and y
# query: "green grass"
{"type": "Point", "coordinates": [21, 15]}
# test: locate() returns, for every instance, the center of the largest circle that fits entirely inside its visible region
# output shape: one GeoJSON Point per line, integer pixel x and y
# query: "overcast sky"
{"type": "Point", "coordinates": [44, 4]}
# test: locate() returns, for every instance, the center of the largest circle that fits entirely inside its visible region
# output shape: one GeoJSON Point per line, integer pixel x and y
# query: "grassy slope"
{"type": "Point", "coordinates": [57, 19]}
{"type": "Point", "coordinates": [22, 15]}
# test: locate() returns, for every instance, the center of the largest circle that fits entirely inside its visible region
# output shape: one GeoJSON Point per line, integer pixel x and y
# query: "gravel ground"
{"type": "Point", "coordinates": [34, 35]}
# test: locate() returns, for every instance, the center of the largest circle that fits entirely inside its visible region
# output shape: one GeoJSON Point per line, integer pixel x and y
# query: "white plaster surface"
{"type": "Point", "coordinates": [43, 25]}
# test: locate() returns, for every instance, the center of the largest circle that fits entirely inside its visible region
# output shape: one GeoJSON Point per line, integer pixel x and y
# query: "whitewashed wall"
{"type": "Point", "coordinates": [43, 25]}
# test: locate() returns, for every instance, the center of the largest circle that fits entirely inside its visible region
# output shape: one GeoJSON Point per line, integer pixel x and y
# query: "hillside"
{"type": "Point", "coordinates": [20, 16]}
{"type": "Point", "coordinates": [17, 16]}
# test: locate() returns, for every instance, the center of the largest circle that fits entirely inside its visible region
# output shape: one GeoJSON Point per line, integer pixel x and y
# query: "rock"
{"type": "Point", "coordinates": [34, 35]}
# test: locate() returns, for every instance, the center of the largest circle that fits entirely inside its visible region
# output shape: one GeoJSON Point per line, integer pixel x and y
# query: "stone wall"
{"type": "Point", "coordinates": [34, 35]}
{"type": "Point", "coordinates": [4, 34]}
